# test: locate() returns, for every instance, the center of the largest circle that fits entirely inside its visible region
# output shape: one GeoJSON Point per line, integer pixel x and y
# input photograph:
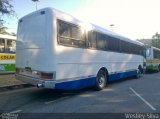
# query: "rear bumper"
{"type": "Point", "coordinates": [74, 84]}
{"type": "Point", "coordinates": [35, 81]}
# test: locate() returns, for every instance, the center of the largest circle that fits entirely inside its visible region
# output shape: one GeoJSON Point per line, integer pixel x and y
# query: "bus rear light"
{"type": "Point", "coordinates": [47, 75]}
{"type": "Point", "coordinates": [35, 73]}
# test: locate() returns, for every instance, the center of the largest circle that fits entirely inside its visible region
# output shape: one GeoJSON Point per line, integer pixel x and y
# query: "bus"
{"type": "Point", "coordinates": [152, 59]}
{"type": "Point", "coordinates": [7, 53]}
{"type": "Point", "coordinates": [56, 50]}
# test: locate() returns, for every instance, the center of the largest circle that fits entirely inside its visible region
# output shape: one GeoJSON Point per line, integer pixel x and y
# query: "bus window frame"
{"type": "Point", "coordinates": [3, 45]}
{"type": "Point", "coordinates": [83, 38]}
{"type": "Point", "coordinates": [148, 52]}
{"type": "Point", "coordinates": [7, 46]}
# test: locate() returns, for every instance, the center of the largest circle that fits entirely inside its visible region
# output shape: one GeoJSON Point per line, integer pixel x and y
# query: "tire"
{"type": "Point", "coordinates": [101, 80]}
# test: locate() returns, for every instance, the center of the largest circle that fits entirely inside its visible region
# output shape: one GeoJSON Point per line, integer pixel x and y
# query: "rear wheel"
{"type": "Point", "coordinates": [101, 80]}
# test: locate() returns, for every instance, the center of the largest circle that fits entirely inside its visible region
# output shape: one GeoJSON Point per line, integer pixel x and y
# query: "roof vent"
{"type": "Point", "coordinates": [42, 12]}
{"type": "Point", "coordinates": [20, 20]}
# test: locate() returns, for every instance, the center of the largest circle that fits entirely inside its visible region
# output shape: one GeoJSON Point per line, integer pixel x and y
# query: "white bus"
{"type": "Point", "coordinates": [56, 50]}
{"type": "Point", "coordinates": [152, 59]}
{"type": "Point", "coordinates": [7, 53]}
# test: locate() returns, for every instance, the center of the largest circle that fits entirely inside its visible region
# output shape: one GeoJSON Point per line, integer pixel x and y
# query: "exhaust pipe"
{"type": "Point", "coordinates": [39, 85]}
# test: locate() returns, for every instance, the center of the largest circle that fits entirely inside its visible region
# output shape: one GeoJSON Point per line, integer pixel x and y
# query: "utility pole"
{"type": "Point", "coordinates": [36, 1]}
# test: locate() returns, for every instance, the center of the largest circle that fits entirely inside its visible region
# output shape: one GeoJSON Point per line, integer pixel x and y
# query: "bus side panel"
{"type": "Point", "coordinates": [122, 75]}
{"type": "Point", "coordinates": [76, 84]}
{"type": "Point", "coordinates": [7, 63]}
{"type": "Point", "coordinates": [91, 81]}
{"type": "Point", "coordinates": [35, 42]}
{"type": "Point", "coordinates": [73, 63]}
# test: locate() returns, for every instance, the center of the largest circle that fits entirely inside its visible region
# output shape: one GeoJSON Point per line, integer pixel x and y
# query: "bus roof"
{"type": "Point", "coordinates": [95, 27]}
{"type": "Point", "coordinates": [116, 35]}
{"type": "Point", "coordinates": [5, 36]}
{"type": "Point", "coordinates": [155, 48]}
{"type": "Point", "coordinates": [69, 18]}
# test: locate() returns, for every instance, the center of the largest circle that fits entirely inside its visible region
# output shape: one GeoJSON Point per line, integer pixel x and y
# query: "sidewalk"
{"type": "Point", "coordinates": [9, 82]}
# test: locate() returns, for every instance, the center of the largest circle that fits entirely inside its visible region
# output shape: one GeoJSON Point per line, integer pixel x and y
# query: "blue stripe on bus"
{"type": "Point", "coordinates": [88, 82]}
{"type": "Point", "coordinates": [122, 75]}
{"type": "Point", "coordinates": [76, 84]}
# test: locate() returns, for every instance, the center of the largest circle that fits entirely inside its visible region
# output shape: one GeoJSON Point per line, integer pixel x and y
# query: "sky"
{"type": "Point", "coordinates": [135, 19]}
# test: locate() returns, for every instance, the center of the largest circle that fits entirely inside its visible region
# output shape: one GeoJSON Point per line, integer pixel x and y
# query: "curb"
{"type": "Point", "coordinates": [14, 87]}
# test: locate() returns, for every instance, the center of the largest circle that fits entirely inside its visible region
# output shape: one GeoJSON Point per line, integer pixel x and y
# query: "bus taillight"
{"type": "Point", "coordinates": [47, 75]}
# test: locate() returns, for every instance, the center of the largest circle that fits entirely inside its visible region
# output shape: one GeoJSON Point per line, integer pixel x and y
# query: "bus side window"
{"type": "Point", "coordinates": [11, 46]}
{"type": "Point", "coordinates": [156, 54]}
{"type": "Point", "coordinates": [64, 29]}
{"type": "Point", "coordinates": [92, 39]}
{"type": "Point", "coordinates": [2, 44]}
{"type": "Point", "coordinates": [148, 52]}
{"type": "Point", "coordinates": [102, 42]}
{"type": "Point", "coordinates": [70, 34]}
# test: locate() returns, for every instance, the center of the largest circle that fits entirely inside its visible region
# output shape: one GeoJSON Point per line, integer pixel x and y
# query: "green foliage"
{"type": "Point", "coordinates": [151, 67]}
{"type": "Point", "coordinates": [5, 9]}
{"type": "Point", "coordinates": [3, 30]}
{"type": "Point", "coordinates": [156, 40]}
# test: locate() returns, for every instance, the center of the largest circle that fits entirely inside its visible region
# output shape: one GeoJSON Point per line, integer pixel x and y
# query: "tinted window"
{"type": "Point", "coordinates": [70, 34]}
{"type": "Point", "coordinates": [124, 46]}
{"type": "Point", "coordinates": [127, 47]}
{"type": "Point", "coordinates": [64, 29]}
{"type": "Point", "coordinates": [92, 43]}
{"type": "Point", "coordinates": [97, 40]}
{"type": "Point", "coordinates": [101, 41]}
{"type": "Point", "coordinates": [156, 54]}
{"type": "Point", "coordinates": [114, 44]}
{"type": "Point", "coordinates": [77, 33]}
{"type": "Point", "coordinates": [73, 35]}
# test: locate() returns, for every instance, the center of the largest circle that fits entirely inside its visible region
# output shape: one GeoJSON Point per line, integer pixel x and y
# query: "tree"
{"type": "Point", "coordinates": [5, 9]}
{"type": "Point", "coordinates": [156, 40]}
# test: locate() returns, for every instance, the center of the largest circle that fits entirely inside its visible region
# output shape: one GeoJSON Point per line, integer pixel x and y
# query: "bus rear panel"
{"type": "Point", "coordinates": [33, 63]}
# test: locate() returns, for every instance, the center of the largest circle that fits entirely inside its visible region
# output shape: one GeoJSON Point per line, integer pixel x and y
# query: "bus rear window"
{"type": "Point", "coordinates": [32, 32]}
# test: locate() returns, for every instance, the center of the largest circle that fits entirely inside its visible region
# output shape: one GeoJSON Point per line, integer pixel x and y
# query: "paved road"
{"type": "Point", "coordinates": [132, 95]}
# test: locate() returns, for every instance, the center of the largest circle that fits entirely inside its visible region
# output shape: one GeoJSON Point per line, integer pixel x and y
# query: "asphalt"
{"type": "Point", "coordinates": [14, 87]}
{"type": "Point", "coordinates": [21, 86]}
{"type": "Point", "coordinates": [119, 99]}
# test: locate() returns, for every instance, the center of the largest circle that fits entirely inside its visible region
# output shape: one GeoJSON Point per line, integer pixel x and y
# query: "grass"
{"type": "Point", "coordinates": [9, 80]}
